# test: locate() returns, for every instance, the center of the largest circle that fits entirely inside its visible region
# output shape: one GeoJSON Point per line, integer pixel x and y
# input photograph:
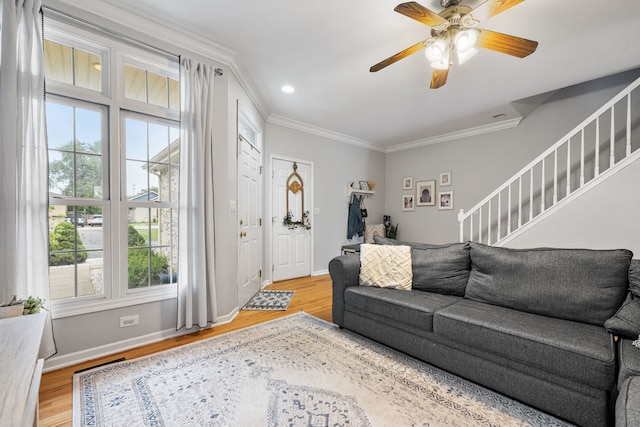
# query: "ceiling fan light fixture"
{"type": "Point", "coordinates": [465, 40]}
{"type": "Point", "coordinates": [463, 56]}
{"type": "Point", "coordinates": [437, 51]}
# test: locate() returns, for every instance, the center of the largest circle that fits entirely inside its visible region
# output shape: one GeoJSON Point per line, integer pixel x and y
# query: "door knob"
{"type": "Point", "coordinates": [243, 233]}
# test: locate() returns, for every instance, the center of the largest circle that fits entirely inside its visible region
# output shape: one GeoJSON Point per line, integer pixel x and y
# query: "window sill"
{"type": "Point", "coordinates": [61, 309]}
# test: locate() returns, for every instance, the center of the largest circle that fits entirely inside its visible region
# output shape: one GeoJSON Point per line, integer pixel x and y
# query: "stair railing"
{"type": "Point", "coordinates": [565, 168]}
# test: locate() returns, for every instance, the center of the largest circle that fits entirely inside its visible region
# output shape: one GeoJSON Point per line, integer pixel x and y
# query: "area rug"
{"type": "Point", "coordinates": [270, 300]}
{"type": "Point", "coordinates": [294, 371]}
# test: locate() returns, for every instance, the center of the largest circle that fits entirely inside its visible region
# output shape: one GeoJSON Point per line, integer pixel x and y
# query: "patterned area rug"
{"type": "Point", "coordinates": [294, 371]}
{"type": "Point", "coordinates": [270, 300]}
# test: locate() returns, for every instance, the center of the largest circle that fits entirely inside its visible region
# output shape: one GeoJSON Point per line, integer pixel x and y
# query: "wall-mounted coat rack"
{"type": "Point", "coordinates": [357, 191]}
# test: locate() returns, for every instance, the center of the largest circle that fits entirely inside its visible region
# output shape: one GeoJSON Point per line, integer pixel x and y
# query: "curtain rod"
{"type": "Point", "coordinates": [64, 16]}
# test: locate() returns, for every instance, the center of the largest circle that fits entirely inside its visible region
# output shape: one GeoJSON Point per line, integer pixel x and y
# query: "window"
{"type": "Point", "coordinates": [113, 170]}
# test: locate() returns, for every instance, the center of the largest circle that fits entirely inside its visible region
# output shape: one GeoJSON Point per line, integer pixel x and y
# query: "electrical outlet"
{"type": "Point", "coordinates": [127, 321]}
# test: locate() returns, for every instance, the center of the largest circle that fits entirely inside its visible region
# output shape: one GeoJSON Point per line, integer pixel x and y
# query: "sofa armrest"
{"type": "Point", "coordinates": [629, 357]}
{"type": "Point", "coordinates": [344, 271]}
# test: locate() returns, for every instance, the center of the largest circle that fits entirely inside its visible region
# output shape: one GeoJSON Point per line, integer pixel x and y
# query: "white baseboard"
{"type": "Point", "coordinates": [58, 362]}
{"type": "Point", "coordinates": [320, 272]}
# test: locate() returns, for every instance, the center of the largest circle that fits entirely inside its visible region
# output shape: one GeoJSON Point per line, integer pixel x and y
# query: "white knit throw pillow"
{"type": "Point", "coordinates": [385, 266]}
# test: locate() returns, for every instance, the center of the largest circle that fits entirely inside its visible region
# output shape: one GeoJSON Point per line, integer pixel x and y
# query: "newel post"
{"type": "Point", "coordinates": [461, 221]}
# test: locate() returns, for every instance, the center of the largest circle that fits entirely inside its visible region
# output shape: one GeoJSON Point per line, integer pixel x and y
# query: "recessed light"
{"type": "Point", "coordinates": [288, 89]}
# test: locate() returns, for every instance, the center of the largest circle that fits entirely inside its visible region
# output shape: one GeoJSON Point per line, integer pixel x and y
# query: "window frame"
{"type": "Point", "coordinates": [113, 53]}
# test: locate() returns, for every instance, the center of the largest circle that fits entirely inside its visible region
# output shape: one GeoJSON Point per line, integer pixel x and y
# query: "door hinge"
{"type": "Point", "coordinates": [260, 273]}
{"type": "Point", "coordinates": [261, 169]}
{"type": "Point", "coordinates": [260, 224]}
{"type": "Point", "coordinates": [272, 267]}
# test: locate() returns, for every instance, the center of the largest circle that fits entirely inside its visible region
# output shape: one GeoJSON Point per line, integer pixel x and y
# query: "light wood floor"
{"type": "Point", "coordinates": [313, 295]}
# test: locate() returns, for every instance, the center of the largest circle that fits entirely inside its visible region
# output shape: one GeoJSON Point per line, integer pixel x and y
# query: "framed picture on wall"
{"type": "Point", "coordinates": [426, 193]}
{"type": "Point", "coordinates": [445, 200]}
{"type": "Point", "coordinates": [407, 183]}
{"type": "Point", "coordinates": [445, 179]}
{"type": "Point", "coordinates": [408, 202]}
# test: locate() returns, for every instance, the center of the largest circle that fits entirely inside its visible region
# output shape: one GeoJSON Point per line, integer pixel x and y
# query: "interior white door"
{"type": "Point", "coordinates": [291, 247]}
{"type": "Point", "coordinates": [249, 222]}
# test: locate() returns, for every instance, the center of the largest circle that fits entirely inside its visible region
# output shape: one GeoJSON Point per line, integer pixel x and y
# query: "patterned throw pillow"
{"type": "Point", "coordinates": [373, 230]}
{"type": "Point", "coordinates": [385, 266]}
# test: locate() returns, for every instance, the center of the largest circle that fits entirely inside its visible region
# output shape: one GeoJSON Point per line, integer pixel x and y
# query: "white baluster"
{"type": "Point", "coordinates": [499, 216]}
{"type": "Point", "coordinates": [628, 124]}
{"type": "Point", "coordinates": [596, 171]}
{"type": "Point", "coordinates": [543, 189]}
{"type": "Point", "coordinates": [489, 225]}
{"type": "Point", "coordinates": [555, 176]}
{"type": "Point", "coordinates": [509, 212]}
{"type": "Point", "coordinates": [520, 201]}
{"type": "Point", "coordinates": [582, 157]}
{"type": "Point", "coordinates": [480, 224]}
{"type": "Point", "coordinates": [471, 225]}
{"type": "Point", "coordinates": [568, 191]}
{"type": "Point", "coordinates": [612, 149]}
{"type": "Point", "coordinates": [531, 194]}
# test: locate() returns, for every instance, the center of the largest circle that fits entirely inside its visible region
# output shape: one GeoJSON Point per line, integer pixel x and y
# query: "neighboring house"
{"type": "Point", "coordinates": [142, 214]}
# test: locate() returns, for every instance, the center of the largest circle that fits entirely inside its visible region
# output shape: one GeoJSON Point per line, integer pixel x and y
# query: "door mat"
{"type": "Point", "coordinates": [270, 300]}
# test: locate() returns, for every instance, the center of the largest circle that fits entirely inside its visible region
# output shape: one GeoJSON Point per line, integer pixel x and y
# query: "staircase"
{"type": "Point", "coordinates": [596, 150]}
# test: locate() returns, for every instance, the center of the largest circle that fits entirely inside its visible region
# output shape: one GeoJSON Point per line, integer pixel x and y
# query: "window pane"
{"type": "Point", "coordinates": [137, 181]}
{"type": "Point", "coordinates": [158, 89]}
{"type": "Point", "coordinates": [58, 62]}
{"type": "Point", "coordinates": [136, 139]}
{"type": "Point", "coordinates": [135, 83]}
{"type": "Point", "coordinates": [158, 142]}
{"type": "Point", "coordinates": [75, 253]}
{"type": "Point", "coordinates": [59, 125]}
{"type": "Point", "coordinates": [88, 176]}
{"type": "Point", "coordinates": [89, 130]}
{"type": "Point", "coordinates": [61, 173]}
{"type": "Point", "coordinates": [174, 94]}
{"type": "Point", "coordinates": [88, 68]}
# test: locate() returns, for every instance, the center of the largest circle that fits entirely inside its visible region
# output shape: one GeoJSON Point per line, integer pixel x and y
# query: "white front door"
{"type": "Point", "coordinates": [291, 246]}
{"type": "Point", "coordinates": [249, 222]}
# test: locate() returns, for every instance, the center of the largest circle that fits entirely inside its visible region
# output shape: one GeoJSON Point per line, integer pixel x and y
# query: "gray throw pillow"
{"type": "Point", "coordinates": [634, 277]}
{"type": "Point", "coordinates": [443, 269]}
{"type": "Point", "coordinates": [626, 322]}
{"type": "Point", "coordinates": [576, 284]}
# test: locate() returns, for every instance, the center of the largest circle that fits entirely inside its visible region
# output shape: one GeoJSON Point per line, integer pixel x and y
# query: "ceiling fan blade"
{"type": "Point", "coordinates": [504, 43]}
{"type": "Point", "coordinates": [398, 56]}
{"type": "Point", "coordinates": [420, 13]}
{"type": "Point", "coordinates": [499, 6]}
{"type": "Point", "coordinates": [439, 78]}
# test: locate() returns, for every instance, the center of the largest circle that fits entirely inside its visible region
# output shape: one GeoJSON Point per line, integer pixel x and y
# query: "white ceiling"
{"type": "Point", "coordinates": [324, 48]}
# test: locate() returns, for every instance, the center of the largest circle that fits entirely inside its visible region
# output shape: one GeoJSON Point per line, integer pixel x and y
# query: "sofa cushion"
{"type": "Point", "coordinates": [629, 360]}
{"type": "Point", "coordinates": [628, 403]}
{"type": "Point", "coordinates": [385, 266]}
{"type": "Point", "coordinates": [575, 284]}
{"type": "Point", "coordinates": [582, 352]}
{"type": "Point", "coordinates": [634, 277]}
{"type": "Point", "coordinates": [626, 321]}
{"type": "Point", "coordinates": [442, 269]}
{"type": "Point", "coordinates": [413, 308]}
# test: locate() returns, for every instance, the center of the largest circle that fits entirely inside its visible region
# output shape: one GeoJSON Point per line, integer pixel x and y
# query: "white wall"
{"type": "Point", "coordinates": [481, 163]}
{"type": "Point", "coordinates": [336, 164]}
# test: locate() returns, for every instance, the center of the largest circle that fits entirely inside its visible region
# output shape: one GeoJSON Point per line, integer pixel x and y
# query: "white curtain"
{"type": "Point", "coordinates": [196, 259]}
{"type": "Point", "coordinates": [24, 265]}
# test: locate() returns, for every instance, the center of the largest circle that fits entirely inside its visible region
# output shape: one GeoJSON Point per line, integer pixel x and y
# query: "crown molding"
{"type": "Point", "coordinates": [325, 133]}
{"type": "Point", "coordinates": [158, 33]}
{"type": "Point", "coordinates": [464, 133]}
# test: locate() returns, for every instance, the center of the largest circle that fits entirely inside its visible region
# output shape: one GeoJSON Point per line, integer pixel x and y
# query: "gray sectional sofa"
{"type": "Point", "coordinates": [527, 323]}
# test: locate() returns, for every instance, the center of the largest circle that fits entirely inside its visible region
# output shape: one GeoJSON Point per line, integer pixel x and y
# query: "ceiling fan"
{"type": "Point", "coordinates": [454, 36]}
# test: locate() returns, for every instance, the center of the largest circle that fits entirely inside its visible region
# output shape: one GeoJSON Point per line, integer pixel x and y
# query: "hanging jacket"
{"type": "Point", "coordinates": [354, 224]}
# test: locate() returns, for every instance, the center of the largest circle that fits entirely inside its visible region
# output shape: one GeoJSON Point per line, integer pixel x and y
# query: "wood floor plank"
{"type": "Point", "coordinates": [313, 295]}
